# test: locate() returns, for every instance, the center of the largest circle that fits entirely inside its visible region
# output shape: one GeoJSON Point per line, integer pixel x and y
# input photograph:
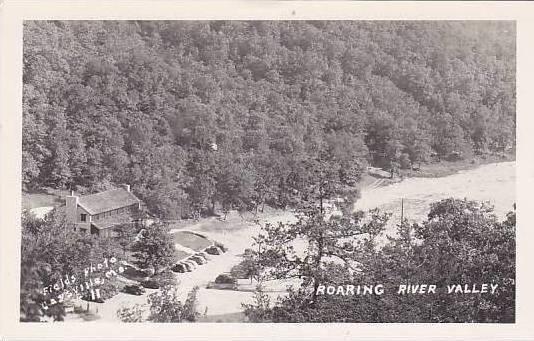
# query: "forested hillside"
{"type": "Point", "coordinates": [194, 114]}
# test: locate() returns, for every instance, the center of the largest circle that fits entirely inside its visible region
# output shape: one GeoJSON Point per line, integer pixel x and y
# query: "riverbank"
{"type": "Point", "coordinates": [491, 182]}
{"type": "Point", "coordinates": [370, 179]}
{"type": "Point", "coordinates": [446, 168]}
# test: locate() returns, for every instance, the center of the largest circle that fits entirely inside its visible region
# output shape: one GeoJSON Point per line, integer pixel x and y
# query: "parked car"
{"type": "Point", "coordinates": [134, 289]}
{"type": "Point", "coordinates": [179, 268]}
{"type": "Point", "coordinates": [187, 267]}
{"type": "Point", "coordinates": [198, 260]}
{"type": "Point", "coordinates": [202, 255]}
{"type": "Point", "coordinates": [134, 274]}
{"type": "Point", "coordinates": [213, 250]}
{"type": "Point", "coordinates": [191, 264]}
{"type": "Point", "coordinates": [221, 247]}
{"type": "Point", "coordinates": [224, 281]}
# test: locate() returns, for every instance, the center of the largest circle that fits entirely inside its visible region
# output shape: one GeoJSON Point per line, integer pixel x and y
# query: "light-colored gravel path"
{"type": "Point", "coordinates": [236, 234]}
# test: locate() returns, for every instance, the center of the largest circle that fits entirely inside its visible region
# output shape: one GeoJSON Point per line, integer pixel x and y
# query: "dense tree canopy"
{"type": "Point", "coordinates": [195, 114]}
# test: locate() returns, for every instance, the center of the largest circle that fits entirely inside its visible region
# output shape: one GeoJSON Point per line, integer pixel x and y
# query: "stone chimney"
{"type": "Point", "coordinates": [126, 187]}
{"type": "Point", "coordinates": [71, 203]}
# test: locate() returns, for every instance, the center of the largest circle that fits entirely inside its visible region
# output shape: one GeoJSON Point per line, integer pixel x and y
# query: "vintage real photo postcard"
{"type": "Point", "coordinates": [266, 170]}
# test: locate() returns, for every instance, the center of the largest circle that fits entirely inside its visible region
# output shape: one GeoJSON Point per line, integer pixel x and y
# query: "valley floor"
{"type": "Point", "coordinates": [237, 232]}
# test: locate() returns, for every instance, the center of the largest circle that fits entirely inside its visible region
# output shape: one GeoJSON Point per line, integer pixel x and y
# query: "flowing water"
{"type": "Point", "coordinates": [494, 183]}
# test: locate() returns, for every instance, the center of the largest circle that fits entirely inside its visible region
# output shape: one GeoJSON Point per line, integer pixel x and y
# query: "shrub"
{"type": "Point", "coordinates": [260, 310]}
{"type": "Point", "coordinates": [247, 268]}
{"type": "Point", "coordinates": [404, 161]}
{"type": "Point", "coordinates": [165, 306]}
{"type": "Point", "coordinates": [238, 271]}
{"type": "Point", "coordinates": [165, 278]}
{"type": "Point", "coordinates": [109, 289]}
{"type": "Point", "coordinates": [150, 284]}
{"type": "Point", "coordinates": [133, 314]}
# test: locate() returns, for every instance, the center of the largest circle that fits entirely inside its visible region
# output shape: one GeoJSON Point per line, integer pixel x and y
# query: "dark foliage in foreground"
{"type": "Point", "coordinates": [163, 306]}
{"type": "Point", "coordinates": [461, 242]}
{"type": "Point", "coordinates": [50, 252]}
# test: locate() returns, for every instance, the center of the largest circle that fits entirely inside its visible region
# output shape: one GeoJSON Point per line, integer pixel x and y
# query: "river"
{"type": "Point", "coordinates": [494, 183]}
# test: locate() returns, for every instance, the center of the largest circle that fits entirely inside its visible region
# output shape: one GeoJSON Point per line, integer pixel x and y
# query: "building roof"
{"type": "Point", "coordinates": [107, 200]}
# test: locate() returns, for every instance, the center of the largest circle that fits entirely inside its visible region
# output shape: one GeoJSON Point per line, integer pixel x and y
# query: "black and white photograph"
{"type": "Point", "coordinates": [271, 171]}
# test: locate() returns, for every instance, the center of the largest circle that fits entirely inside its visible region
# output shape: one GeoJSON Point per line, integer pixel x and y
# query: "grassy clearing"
{"type": "Point", "coordinates": [191, 240]}
{"type": "Point", "coordinates": [44, 197]}
{"type": "Point", "coordinates": [179, 255]}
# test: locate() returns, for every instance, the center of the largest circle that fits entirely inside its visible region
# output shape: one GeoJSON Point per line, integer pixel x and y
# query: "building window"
{"type": "Point", "coordinates": [83, 217]}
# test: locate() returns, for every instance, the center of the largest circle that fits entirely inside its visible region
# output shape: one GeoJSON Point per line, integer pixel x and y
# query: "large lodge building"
{"type": "Point", "coordinates": [98, 213]}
